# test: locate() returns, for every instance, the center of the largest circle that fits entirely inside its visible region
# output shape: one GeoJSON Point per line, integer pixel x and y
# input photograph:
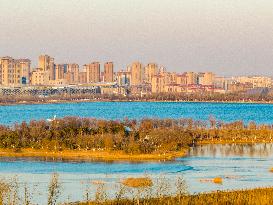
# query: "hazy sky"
{"type": "Point", "coordinates": [224, 36]}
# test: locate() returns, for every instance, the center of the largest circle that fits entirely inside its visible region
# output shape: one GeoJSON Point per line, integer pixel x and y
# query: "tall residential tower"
{"type": "Point", "coordinates": [108, 72]}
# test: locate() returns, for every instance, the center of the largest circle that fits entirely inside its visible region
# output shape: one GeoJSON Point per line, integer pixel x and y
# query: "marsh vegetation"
{"type": "Point", "coordinates": [259, 196]}
{"type": "Point", "coordinates": [132, 137]}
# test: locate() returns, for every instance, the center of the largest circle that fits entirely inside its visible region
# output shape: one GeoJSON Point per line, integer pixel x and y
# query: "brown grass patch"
{"type": "Point", "coordinates": [218, 180]}
{"type": "Point", "coordinates": [89, 155]}
{"type": "Point", "coordinates": [138, 182]}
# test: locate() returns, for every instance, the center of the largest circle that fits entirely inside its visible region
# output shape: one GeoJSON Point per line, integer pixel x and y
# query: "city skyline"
{"type": "Point", "coordinates": [225, 37]}
{"type": "Point", "coordinates": [35, 64]}
{"type": "Point", "coordinates": [136, 79]}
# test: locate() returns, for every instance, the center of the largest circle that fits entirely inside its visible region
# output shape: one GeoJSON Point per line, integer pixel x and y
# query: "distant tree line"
{"type": "Point", "coordinates": [204, 96]}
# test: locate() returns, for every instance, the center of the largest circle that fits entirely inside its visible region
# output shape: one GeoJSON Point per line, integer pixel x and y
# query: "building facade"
{"type": "Point", "coordinates": [108, 72]}
{"type": "Point", "coordinates": [46, 63]}
{"type": "Point", "coordinates": [14, 72]}
{"type": "Point", "coordinates": [137, 73]}
{"type": "Point", "coordinates": [150, 70]}
{"type": "Point", "coordinates": [192, 78]}
{"type": "Point", "coordinates": [123, 78]}
{"type": "Point", "coordinates": [72, 73]}
{"type": "Point", "coordinates": [93, 72]}
{"type": "Point", "coordinates": [40, 77]}
{"type": "Point", "coordinates": [158, 83]}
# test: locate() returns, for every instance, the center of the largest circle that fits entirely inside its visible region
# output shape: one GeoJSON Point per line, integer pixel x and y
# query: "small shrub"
{"type": "Point", "coordinates": [218, 180]}
{"type": "Point", "coordinates": [138, 182]}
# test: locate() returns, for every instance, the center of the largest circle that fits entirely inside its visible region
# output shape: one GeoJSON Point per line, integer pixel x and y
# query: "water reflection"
{"type": "Point", "coordinates": [238, 165]}
{"type": "Point", "coordinates": [228, 150]}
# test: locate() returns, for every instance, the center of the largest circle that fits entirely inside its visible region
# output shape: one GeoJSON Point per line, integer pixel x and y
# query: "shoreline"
{"type": "Point", "coordinates": [113, 156]}
{"type": "Point", "coordinates": [89, 155]}
{"type": "Point", "coordinates": [48, 102]}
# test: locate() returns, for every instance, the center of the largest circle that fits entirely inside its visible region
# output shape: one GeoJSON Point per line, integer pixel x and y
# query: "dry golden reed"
{"type": "Point", "coordinates": [218, 180]}
{"type": "Point", "coordinates": [137, 182]}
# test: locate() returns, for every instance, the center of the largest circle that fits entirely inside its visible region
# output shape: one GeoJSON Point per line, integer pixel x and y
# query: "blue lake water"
{"type": "Point", "coordinates": [240, 166]}
{"type": "Point", "coordinates": [261, 113]}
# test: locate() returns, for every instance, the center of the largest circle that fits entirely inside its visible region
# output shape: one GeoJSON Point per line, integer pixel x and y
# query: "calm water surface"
{"type": "Point", "coordinates": [240, 166]}
{"type": "Point", "coordinates": [261, 113]}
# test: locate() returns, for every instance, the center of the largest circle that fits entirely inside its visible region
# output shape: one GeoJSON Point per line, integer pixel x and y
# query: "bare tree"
{"type": "Point", "coordinates": [53, 190]}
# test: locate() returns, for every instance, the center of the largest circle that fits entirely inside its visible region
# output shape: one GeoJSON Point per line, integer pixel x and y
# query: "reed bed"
{"type": "Point", "coordinates": [258, 196]}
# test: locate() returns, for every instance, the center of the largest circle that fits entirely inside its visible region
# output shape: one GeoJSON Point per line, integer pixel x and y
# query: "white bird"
{"type": "Point", "coordinates": [50, 120]}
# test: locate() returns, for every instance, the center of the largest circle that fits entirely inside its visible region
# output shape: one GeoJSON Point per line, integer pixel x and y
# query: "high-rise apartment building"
{"type": "Point", "coordinates": [8, 71]}
{"type": "Point", "coordinates": [40, 77]}
{"type": "Point", "coordinates": [60, 70]}
{"type": "Point", "coordinates": [206, 78]}
{"type": "Point", "coordinates": [169, 77]}
{"type": "Point", "coordinates": [158, 83]}
{"type": "Point", "coordinates": [93, 72]}
{"type": "Point", "coordinates": [209, 78]}
{"type": "Point", "coordinates": [181, 79]}
{"type": "Point", "coordinates": [150, 70]}
{"type": "Point", "coordinates": [24, 65]}
{"type": "Point", "coordinates": [123, 77]}
{"type": "Point", "coordinates": [46, 63]}
{"type": "Point", "coordinates": [137, 73]}
{"type": "Point", "coordinates": [192, 78]}
{"type": "Point", "coordinates": [72, 73]}
{"type": "Point", "coordinates": [256, 81]}
{"type": "Point", "coordinates": [162, 69]}
{"type": "Point", "coordinates": [200, 78]}
{"type": "Point", "coordinates": [14, 72]}
{"type": "Point", "coordinates": [108, 72]}
{"type": "Point", "coordinates": [82, 77]}
{"type": "Point", "coordinates": [221, 82]}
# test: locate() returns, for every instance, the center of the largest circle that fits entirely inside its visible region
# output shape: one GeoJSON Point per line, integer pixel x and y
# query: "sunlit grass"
{"type": "Point", "coordinates": [137, 182]}
{"type": "Point", "coordinates": [258, 196]}
{"type": "Point", "coordinates": [218, 180]}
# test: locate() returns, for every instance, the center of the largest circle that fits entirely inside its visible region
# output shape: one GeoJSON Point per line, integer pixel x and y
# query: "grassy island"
{"type": "Point", "coordinates": [136, 140]}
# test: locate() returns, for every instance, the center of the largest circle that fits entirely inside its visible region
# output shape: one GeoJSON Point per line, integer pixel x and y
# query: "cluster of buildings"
{"type": "Point", "coordinates": [135, 79]}
{"type": "Point", "coordinates": [49, 73]}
